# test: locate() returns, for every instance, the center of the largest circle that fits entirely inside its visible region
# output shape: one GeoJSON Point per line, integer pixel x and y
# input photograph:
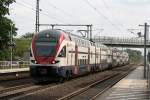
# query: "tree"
{"type": "Point", "coordinates": [134, 55]}
{"type": "Point", "coordinates": [6, 25]}
{"type": "Point", "coordinates": [22, 46]}
{"type": "Point", "coordinates": [27, 35]}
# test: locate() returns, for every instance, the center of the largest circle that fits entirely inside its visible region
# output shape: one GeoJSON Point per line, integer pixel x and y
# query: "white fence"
{"type": "Point", "coordinates": [15, 64]}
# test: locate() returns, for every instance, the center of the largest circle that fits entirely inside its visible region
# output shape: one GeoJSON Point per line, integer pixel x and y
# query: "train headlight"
{"type": "Point", "coordinates": [33, 61]}
{"type": "Point", "coordinates": [55, 62]}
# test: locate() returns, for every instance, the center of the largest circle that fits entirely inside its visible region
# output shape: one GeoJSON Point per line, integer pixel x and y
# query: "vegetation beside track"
{"type": "Point", "coordinates": [135, 56]}
{"type": "Point", "coordinates": [6, 27]}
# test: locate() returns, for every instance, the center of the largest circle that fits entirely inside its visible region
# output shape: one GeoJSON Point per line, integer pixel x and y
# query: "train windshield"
{"type": "Point", "coordinates": [45, 43]}
{"type": "Point", "coordinates": [44, 49]}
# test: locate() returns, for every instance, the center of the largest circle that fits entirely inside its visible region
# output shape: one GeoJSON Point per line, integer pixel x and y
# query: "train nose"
{"type": "Point", "coordinates": [45, 60]}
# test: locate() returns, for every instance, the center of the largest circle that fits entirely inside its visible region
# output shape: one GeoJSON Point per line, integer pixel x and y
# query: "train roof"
{"type": "Point", "coordinates": [49, 31]}
{"type": "Point", "coordinates": [71, 37]}
{"type": "Point", "coordinates": [82, 40]}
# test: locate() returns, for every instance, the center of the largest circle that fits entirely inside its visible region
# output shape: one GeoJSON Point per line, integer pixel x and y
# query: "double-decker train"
{"type": "Point", "coordinates": [56, 54]}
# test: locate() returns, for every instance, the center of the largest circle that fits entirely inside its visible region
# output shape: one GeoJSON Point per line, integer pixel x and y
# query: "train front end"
{"type": "Point", "coordinates": [44, 48]}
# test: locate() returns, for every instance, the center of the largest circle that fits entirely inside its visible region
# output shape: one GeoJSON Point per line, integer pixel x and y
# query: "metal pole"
{"type": "Point", "coordinates": [145, 34]}
{"type": "Point", "coordinates": [90, 32]}
{"type": "Point", "coordinates": [145, 39]}
{"type": "Point", "coordinates": [37, 17]}
{"type": "Point", "coordinates": [87, 32]}
{"type": "Point", "coordinates": [11, 55]}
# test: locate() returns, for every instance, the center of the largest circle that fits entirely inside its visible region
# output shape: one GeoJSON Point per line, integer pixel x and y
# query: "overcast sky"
{"type": "Point", "coordinates": [113, 16]}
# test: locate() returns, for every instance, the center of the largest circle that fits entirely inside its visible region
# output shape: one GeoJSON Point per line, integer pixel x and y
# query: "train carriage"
{"type": "Point", "coordinates": [56, 54]}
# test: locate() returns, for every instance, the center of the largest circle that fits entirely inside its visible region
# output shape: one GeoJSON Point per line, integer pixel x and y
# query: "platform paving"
{"type": "Point", "coordinates": [132, 87]}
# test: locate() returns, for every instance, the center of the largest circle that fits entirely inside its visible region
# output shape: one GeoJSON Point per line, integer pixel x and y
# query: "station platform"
{"type": "Point", "coordinates": [3, 71]}
{"type": "Point", "coordinates": [132, 87]}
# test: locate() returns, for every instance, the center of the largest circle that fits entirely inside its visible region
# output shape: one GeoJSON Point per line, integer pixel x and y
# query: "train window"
{"type": "Point", "coordinates": [78, 62]}
{"type": "Point", "coordinates": [46, 37]}
{"type": "Point", "coordinates": [83, 61]}
{"type": "Point", "coordinates": [62, 52]}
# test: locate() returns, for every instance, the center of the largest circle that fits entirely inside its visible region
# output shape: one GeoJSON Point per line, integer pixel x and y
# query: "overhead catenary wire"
{"type": "Point", "coordinates": [101, 15]}
{"type": "Point", "coordinates": [54, 7]}
{"type": "Point", "coordinates": [106, 6]}
{"type": "Point", "coordinates": [68, 14]}
{"type": "Point", "coordinates": [57, 12]}
{"type": "Point", "coordinates": [59, 9]}
{"type": "Point", "coordinates": [108, 9]}
{"type": "Point", "coordinates": [43, 13]}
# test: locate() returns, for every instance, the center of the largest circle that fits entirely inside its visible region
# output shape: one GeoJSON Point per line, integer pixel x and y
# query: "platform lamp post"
{"type": "Point", "coordinates": [11, 45]}
{"type": "Point", "coordinates": [37, 16]}
{"type": "Point", "coordinates": [146, 27]}
{"type": "Point", "coordinates": [145, 60]}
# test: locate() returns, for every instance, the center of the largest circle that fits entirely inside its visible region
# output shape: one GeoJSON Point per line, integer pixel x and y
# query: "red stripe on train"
{"type": "Point", "coordinates": [47, 60]}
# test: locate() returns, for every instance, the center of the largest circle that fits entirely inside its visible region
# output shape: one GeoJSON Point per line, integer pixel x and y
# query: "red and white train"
{"type": "Point", "coordinates": [56, 54]}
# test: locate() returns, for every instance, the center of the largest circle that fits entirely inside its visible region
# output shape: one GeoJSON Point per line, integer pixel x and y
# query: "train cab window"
{"type": "Point", "coordinates": [62, 52]}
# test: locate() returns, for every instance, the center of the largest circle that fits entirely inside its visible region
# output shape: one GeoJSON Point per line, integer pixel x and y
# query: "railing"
{"type": "Point", "coordinates": [116, 40]}
{"type": "Point", "coordinates": [15, 64]}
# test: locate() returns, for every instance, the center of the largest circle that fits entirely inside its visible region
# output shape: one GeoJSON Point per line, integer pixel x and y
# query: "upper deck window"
{"type": "Point", "coordinates": [47, 36]}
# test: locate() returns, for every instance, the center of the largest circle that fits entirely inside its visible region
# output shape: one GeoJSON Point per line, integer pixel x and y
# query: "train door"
{"type": "Point", "coordinates": [96, 58]}
{"type": "Point", "coordinates": [88, 63]}
{"type": "Point", "coordinates": [100, 59]}
{"type": "Point", "coordinates": [71, 55]}
{"type": "Point", "coordinates": [76, 66]}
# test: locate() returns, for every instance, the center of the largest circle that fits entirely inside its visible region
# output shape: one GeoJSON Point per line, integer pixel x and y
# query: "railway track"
{"type": "Point", "coordinates": [17, 91]}
{"type": "Point", "coordinates": [4, 85]}
{"type": "Point", "coordinates": [95, 89]}
{"type": "Point", "coordinates": [54, 92]}
{"type": "Point", "coordinates": [70, 87]}
{"type": "Point", "coordinates": [15, 88]}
